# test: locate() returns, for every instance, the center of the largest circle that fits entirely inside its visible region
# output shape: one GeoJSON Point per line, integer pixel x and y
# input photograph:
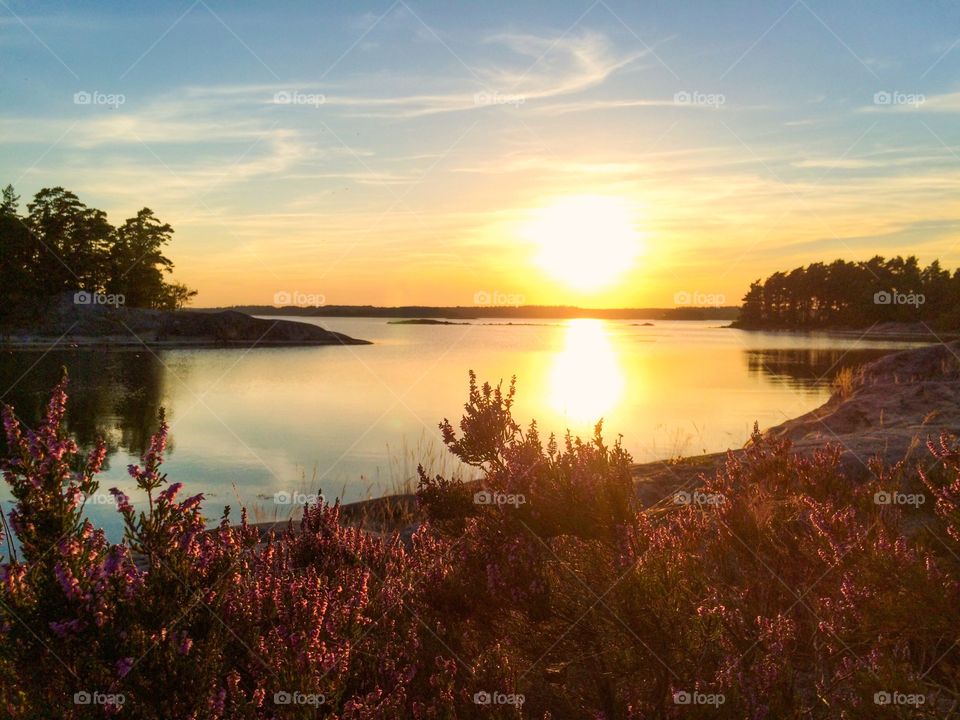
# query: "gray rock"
{"type": "Point", "coordinates": [103, 324]}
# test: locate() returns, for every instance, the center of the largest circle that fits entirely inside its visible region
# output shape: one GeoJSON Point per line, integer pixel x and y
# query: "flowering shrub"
{"type": "Point", "coordinates": [779, 588]}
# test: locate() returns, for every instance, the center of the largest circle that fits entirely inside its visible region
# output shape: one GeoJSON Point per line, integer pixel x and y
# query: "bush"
{"type": "Point", "coordinates": [777, 589]}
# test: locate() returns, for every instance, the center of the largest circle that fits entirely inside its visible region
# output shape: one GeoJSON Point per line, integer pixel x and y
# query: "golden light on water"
{"type": "Point", "coordinates": [585, 241]}
{"type": "Point", "coordinates": [586, 380]}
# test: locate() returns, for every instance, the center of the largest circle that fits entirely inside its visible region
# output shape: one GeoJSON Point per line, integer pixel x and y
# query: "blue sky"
{"type": "Point", "coordinates": [394, 153]}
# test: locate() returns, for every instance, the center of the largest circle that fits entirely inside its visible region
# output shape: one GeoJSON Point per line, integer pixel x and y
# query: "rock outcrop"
{"type": "Point", "coordinates": [94, 323]}
{"type": "Point", "coordinates": [888, 410]}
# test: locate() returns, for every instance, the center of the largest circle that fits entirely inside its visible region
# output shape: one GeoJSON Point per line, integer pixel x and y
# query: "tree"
{"type": "Point", "coordinates": [751, 314]}
{"type": "Point", "coordinates": [17, 279]}
{"type": "Point", "coordinates": [11, 201]}
{"type": "Point", "coordinates": [64, 246]}
{"type": "Point", "coordinates": [936, 288]}
{"type": "Point", "coordinates": [73, 241]}
{"type": "Point", "coordinates": [176, 296]}
{"type": "Point", "coordinates": [138, 262]}
{"type": "Point", "coordinates": [854, 295]}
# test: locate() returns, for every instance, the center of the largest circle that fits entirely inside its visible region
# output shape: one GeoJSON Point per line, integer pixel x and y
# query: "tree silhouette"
{"type": "Point", "coordinates": [61, 245]}
{"type": "Point", "coordinates": [137, 260]}
{"type": "Point", "coordinates": [854, 294]}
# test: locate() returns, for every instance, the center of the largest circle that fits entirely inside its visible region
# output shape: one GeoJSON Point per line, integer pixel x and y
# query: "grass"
{"type": "Point", "coordinates": [846, 381]}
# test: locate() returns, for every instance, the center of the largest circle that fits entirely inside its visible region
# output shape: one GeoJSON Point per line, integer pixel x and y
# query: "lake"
{"type": "Point", "coordinates": [262, 426]}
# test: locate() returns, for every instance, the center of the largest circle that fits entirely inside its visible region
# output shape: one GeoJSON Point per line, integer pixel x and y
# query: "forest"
{"type": "Point", "coordinates": [61, 245]}
{"type": "Point", "coordinates": [854, 295]}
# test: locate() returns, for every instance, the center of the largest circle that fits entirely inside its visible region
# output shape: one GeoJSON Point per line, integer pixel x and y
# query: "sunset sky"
{"type": "Point", "coordinates": [601, 154]}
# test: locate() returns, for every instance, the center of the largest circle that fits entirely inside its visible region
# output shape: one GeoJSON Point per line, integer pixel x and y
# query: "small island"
{"type": "Point", "coordinates": [424, 321]}
{"type": "Point", "coordinates": [67, 323]}
{"type": "Point", "coordinates": [71, 278]}
{"type": "Point", "coordinates": [878, 297]}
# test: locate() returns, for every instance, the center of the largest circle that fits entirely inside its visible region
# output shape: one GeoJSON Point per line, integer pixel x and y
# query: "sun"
{"type": "Point", "coordinates": [585, 241]}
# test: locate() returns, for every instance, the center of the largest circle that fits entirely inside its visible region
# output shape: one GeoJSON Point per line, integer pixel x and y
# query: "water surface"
{"type": "Point", "coordinates": [354, 421]}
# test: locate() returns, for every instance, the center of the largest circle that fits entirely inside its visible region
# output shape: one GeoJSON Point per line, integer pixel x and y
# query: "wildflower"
{"type": "Point", "coordinates": [123, 502]}
{"type": "Point", "coordinates": [123, 666]}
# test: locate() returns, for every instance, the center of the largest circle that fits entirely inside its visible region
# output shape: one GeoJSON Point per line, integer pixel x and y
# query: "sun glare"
{"type": "Point", "coordinates": [585, 379]}
{"type": "Point", "coordinates": [585, 241]}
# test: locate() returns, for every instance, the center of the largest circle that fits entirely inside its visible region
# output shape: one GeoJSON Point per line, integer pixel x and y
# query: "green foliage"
{"type": "Point", "coordinates": [61, 245]}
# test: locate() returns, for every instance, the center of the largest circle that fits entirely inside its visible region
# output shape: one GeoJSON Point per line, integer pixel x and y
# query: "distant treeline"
{"type": "Point", "coordinates": [854, 294]}
{"type": "Point", "coordinates": [470, 312]}
{"type": "Point", "coordinates": [61, 245]}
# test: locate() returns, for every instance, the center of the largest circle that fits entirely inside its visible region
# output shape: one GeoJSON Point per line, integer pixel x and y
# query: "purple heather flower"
{"type": "Point", "coordinates": [123, 666]}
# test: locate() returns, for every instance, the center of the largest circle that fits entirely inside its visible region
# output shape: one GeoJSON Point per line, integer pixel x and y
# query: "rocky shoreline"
{"type": "Point", "coordinates": [879, 331]}
{"type": "Point", "coordinates": [70, 324]}
{"type": "Point", "coordinates": [886, 410]}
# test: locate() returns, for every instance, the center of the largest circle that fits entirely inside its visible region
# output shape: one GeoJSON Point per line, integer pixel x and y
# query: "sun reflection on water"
{"type": "Point", "coordinates": [585, 379]}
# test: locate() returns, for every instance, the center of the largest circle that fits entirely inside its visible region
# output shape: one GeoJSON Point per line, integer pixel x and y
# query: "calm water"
{"type": "Point", "coordinates": [354, 421]}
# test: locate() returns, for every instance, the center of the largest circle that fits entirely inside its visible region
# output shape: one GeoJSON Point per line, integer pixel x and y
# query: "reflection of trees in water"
{"type": "Point", "coordinates": [113, 394]}
{"type": "Point", "coordinates": [806, 367]}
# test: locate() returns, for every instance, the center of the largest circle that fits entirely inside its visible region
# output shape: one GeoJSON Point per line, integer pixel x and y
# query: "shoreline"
{"type": "Point", "coordinates": [489, 305]}
{"type": "Point", "coordinates": [895, 331]}
{"type": "Point", "coordinates": [887, 409]}
{"type": "Point", "coordinates": [131, 343]}
{"type": "Point", "coordinates": [84, 326]}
